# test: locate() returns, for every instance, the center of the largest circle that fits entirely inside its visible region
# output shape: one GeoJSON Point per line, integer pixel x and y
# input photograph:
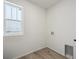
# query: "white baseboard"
{"type": "Point", "coordinates": [57, 51]}
{"type": "Point", "coordinates": [28, 53]}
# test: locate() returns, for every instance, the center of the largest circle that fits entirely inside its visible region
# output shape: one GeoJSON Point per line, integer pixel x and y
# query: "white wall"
{"type": "Point", "coordinates": [61, 20]}
{"type": "Point", "coordinates": [34, 32]}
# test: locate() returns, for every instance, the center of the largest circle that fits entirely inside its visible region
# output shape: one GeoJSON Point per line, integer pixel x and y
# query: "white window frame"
{"type": "Point", "coordinates": [22, 26]}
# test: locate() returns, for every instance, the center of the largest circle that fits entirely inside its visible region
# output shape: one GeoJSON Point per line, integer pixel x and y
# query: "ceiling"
{"type": "Point", "coordinates": [44, 3]}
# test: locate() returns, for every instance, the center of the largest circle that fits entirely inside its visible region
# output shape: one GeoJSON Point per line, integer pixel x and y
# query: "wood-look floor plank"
{"type": "Point", "coordinates": [45, 53]}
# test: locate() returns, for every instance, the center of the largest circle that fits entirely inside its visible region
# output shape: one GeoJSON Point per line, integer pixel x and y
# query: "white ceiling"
{"type": "Point", "coordinates": [44, 3]}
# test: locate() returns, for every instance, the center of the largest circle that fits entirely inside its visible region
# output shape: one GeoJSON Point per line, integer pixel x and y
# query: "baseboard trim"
{"type": "Point", "coordinates": [29, 53]}
{"type": "Point", "coordinates": [56, 52]}
{"type": "Point", "coordinates": [38, 50]}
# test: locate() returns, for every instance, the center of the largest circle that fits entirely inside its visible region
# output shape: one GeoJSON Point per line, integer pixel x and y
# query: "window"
{"type": "Point", "coordinates": [12, 19]}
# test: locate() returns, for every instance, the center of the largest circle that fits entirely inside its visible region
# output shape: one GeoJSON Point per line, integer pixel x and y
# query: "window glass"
{"type": "Point", "coordinates": [7, 11]}
{"type": "Point", "coordinates": [13, 19]}
{"type": "Point", "coordinates": [19, 12]}
{"type": "Point", "coordinates": [14, 13]}
{"type": "Point", "coordinates": [13, 26]}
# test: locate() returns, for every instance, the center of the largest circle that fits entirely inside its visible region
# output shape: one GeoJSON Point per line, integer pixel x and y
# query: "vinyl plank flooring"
{"type": "Point", "coordinates": [45, 53]}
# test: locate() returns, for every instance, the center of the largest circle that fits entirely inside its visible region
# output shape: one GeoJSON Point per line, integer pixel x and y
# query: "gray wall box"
{"type": "Point", "coordinates": [69, 51]}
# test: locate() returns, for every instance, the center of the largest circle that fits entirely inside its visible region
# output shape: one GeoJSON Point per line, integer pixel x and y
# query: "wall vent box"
{"type": "Point", "coordinates": [52, 33]}
{"type": "Point", "coordinates": [69, 51]}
